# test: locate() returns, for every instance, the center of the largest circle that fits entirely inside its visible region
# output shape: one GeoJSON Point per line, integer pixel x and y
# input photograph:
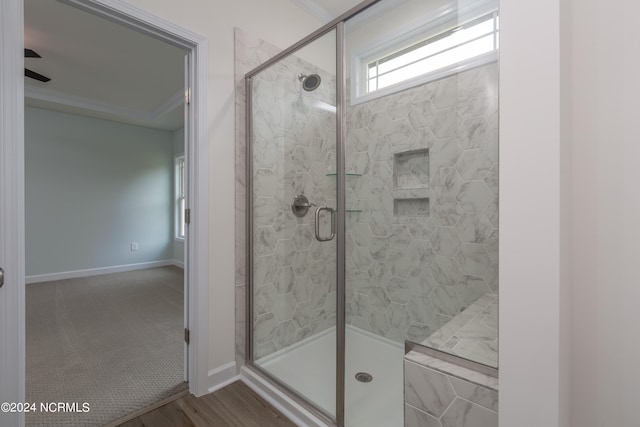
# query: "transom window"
{"type": "Point", "coordinates": [455, 46]}
{"type": "Point", "coordinates": [448, 41]}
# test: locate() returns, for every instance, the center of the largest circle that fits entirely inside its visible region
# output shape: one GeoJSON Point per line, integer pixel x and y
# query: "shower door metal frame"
{"type": "Point", "coordinates": [337, 25]}
{"type": "Point", "coordinates": [341, 130]}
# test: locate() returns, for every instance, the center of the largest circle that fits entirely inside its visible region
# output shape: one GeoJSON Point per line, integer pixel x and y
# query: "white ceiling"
{"type": "Point", "coordinates": [326, 10]}
{"type": "Point", "coordinates": [101, 69]}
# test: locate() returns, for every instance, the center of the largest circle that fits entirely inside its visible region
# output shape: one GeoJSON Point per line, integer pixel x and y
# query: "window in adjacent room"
{"type": "Point", "coordinates": [179, 197]}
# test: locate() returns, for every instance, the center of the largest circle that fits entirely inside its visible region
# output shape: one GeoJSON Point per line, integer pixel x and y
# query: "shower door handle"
{"type": "Point", "coordinates": [333, 223]}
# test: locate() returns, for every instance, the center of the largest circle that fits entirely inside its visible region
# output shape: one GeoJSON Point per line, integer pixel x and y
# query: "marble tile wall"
{"type": "Point", "coordinates": [411, 267]}
{"type": "Point", "coordinates": [441, 394]}
{"type": "Point", "coordinates": [293, 153]}
{"type": "Point", "coordinates": [422, 248]}
{"type": "Point", "coordinates": [250, 52]}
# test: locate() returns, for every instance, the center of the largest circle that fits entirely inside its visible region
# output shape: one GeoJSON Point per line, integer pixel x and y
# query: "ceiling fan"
{"type": "Point", "coordinates": [28, 53]}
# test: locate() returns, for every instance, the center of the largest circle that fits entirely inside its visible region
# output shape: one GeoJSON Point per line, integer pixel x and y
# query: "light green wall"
{"type": "Point", "coordinates": [93, 187]}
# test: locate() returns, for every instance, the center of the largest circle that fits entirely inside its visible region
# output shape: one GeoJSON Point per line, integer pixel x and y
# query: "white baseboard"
{"type": "Point", "coordinates": [222, 376]}
{"type": "Point", "coordinates": [292, 410]}
{"type": "Point", "coordinates": [177, 263]}
{"type": "Point", "coordinates": [95, 271]}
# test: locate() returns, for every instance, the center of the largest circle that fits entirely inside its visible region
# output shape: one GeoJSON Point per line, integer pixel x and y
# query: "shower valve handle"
{"type": "Point", "coordinates": [305, 205]}
{"type": "Point", "coordinates": [301, 205]}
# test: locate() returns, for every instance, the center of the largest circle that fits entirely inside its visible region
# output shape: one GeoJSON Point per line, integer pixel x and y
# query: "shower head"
{"type": "Point", "coordinates": [310, 82]}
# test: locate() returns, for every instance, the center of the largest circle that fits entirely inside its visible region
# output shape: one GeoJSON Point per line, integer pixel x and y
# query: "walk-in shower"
{"type": "Point", "coordinates": [372, 203]}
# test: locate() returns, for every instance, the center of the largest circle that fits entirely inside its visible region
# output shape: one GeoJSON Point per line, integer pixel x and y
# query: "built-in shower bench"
{"type": "Point", "coordinates": [472, 334]}
{"type": "Point", "coordinates": [441, 390]}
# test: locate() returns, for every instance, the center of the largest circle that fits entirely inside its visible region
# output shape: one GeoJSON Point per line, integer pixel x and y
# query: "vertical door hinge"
{"type": "Point", "coordinates": [187, 95]}
{"type": "Point", "coordinates": [186, 335]}
{"type": "Point", "coordinates": [187, 216]}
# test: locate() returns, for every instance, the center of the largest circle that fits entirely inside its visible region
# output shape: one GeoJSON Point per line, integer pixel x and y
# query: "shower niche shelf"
{"type": "Point", "coordinates": [411, 169]}
{"type": "Point", "coordinates": [415, 207]}
{"type": "Point", "coordinates": [411, 192]}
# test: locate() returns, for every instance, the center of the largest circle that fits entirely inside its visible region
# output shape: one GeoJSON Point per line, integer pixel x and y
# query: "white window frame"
{"type": "Point", "coordinates": [180, 198]}
{"type": "Point", "coordinates": [441, 20]}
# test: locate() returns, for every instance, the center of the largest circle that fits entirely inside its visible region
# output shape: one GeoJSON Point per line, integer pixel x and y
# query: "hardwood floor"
{"type": "Point", "coordinates": [236, 405]}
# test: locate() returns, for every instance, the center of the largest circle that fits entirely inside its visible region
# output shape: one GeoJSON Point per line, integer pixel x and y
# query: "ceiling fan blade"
{"type": "Point", "coordinates": [34, 75]}
{"type": "Point", "coordinates": [29, 53]}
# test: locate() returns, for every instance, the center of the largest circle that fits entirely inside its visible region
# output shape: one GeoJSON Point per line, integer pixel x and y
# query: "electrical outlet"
{"type": "Point", "coordinates": [134, 246]}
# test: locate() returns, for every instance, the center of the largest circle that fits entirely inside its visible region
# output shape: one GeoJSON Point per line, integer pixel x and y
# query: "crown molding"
{"type": "Point", "coordinates": [56, 97]}
{"type": "Point", "coordinates": [314, 9]}
{"type": "Point", "coordinates": [169, 105]}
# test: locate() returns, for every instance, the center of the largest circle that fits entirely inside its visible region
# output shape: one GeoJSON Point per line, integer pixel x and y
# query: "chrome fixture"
{"type": "Point", "coordinates": [300, 205]}
{"type": "Point", "coordinates": [310, 82]}
{"type": "Point", "coordinates": [333, 223]}
{"type": "Point", "coordinates": [364, 377]}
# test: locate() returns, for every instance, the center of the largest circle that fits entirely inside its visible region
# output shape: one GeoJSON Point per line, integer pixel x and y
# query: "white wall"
{"type": "Point", "coordinates": [92, 187]}
{"type": "Point", "coordinates": [605, 213]}
{"type": "Point", "coordinates": [372, 27]}
{"type": "Point", "coordinates": [533, 316]}
{"type": "Point", "coordinates": [281, 23]}
{"type": "Point", "coordinates": [570, 101]}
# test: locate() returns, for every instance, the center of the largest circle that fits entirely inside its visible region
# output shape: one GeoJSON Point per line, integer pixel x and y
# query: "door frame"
{"type": "Point", "coordinates": [12, 312]}
{"type": "Point", "coordinates": [12, 303]}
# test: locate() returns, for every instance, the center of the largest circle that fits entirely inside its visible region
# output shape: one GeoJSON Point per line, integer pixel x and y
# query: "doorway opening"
{"type": "Point", "coordinates": [107, 291]}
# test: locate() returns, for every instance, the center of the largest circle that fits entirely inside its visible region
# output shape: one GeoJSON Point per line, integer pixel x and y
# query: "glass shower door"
{"type": "Point", "coordinates": [422, 208]}
{"type": "Point", "coordinates": [292, 202]}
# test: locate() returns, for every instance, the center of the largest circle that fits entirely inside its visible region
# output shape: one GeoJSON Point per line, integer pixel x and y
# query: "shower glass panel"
{"type": "Point", "coordinates": [293, 198]}
{"type": "Point", "coordinates": [383, 202]}
{"type": "Point", "coordinates": [421, 156]}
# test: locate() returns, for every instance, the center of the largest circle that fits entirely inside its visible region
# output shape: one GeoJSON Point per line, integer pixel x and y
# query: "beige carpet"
{"type": "Point", "coordinates": [114, 341]}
